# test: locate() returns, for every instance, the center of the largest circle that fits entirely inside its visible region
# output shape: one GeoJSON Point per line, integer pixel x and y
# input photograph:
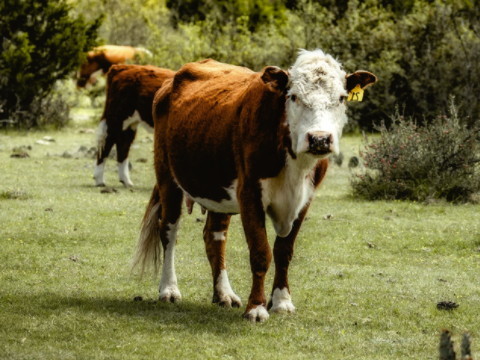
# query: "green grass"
{"type": "Point", "coordinates": [365, 280]}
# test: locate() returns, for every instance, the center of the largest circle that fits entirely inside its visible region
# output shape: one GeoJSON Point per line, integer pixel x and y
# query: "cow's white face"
{"type": "Point", "coordinates": [316, 103]}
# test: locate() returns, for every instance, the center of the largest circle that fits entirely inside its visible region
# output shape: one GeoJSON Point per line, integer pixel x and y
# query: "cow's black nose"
{"type": "Point", "coordinates": [320, 142]}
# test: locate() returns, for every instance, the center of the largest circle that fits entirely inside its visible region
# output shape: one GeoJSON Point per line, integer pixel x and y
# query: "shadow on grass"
{"type": "Point", "coordinates": [186, 315]}
{"type": "Point", "coordinates": [118, 186]}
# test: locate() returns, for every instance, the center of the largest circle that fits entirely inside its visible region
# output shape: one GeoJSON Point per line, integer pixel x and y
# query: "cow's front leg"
{"type": "Point", "coordinates": [253, 220]}
{"type": "Point", "coordinates": [215, 236]}
{"type": "Point", "coordinates": [281, 300]}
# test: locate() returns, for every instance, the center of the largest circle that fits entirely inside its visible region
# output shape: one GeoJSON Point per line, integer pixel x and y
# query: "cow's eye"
{"type": "Point", "coordinates": [293, 98]}
{"type": "Point", "coordinates": [342, 99]}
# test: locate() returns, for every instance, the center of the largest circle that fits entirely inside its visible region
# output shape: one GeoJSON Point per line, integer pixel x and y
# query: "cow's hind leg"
{"type": "Point", "coordinates": [124, 142]}
{"type": "Point", "coordinates": [171, 198]}
{"type": "Point", "coordinates": [105, 141]}
{"type": "Point", "coordinates": [215, 236]}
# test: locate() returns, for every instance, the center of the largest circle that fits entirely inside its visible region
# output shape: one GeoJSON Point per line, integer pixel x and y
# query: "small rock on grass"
{"type": "Point", "coordinates": [353, 162]}
{"type": "Point", "coordinates": [20, 155]}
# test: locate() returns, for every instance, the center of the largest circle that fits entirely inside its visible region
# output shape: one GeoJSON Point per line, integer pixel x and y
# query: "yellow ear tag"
{"type": "Point", "coordinates": [356, 94]}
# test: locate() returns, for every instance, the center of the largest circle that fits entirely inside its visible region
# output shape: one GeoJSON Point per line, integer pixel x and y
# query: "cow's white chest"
{"type": "Point", "coordinates": [284, 196]}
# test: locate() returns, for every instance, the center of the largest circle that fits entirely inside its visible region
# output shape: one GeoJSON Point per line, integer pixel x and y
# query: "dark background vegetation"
{"type": "Point", "coordinates": [41, 43]}
{"type": "Point", "coordinates": [424, 52]}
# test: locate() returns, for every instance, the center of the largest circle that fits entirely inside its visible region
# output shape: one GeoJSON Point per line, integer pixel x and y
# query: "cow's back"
{"type": "Point", "coordinates": [132, 87]}
{"type": "Point", "coordinates": [212, 113]}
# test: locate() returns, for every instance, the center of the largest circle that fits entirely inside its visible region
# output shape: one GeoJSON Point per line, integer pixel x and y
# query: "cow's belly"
{"type": "Point", "coordinates": [281, 200]}
{"type": "Point", "coordinates": [227, 206]}
{"type": "Point", "coordinates": [135, 120]}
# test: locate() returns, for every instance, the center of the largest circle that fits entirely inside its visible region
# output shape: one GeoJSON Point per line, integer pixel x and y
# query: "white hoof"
{"type": "Point", "coordinates": [224, 294]}
{"type": "Point", "coordinates": [282, 302]}
{"type": "Point", "coordinates": [170, 294]}
{"type": "Point", "coordinates": [124, 174]}
{"type": "Point", "coordinates": [228, 300]}
{"type": "Point", "coordinates": [126, 183]}
{"type": "Point", "coordinates": [98, 174]}
{"type": "Point", "coordinates": [257, 314]}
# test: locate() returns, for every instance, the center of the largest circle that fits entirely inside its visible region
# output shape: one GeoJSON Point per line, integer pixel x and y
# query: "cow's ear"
{"type": "Point", "coordinates": [275, 77]}
{"type": "Point", "coordinates": [362, 78]}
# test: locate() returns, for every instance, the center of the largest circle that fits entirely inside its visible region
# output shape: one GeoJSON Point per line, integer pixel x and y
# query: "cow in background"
{"type": "Point", "coordinates": [242, 142]}
{"type": "Point", "coordinates": [130, 93]}
{"type": "Point", "coordinates": [103, 57]}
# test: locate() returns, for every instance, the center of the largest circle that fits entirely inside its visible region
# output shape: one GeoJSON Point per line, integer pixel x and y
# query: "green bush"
{"type": "Point", "coordinates": [41, 44]}
{"type": "Point", "coordinates": [440, 160]}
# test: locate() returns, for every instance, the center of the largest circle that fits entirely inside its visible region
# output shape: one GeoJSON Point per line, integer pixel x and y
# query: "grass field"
{"type": "Point", "coordinates": [365, 278]}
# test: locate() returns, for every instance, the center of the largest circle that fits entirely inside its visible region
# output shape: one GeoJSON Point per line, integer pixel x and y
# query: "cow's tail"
{"type": "Point", "coordinates": [148, 254]}
{"type": "Point", "coordinates": [101, 136]}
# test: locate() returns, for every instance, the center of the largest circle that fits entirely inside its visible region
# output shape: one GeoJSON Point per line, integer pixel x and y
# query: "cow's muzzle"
{"type": "Point", "coordinates": [320, 143]}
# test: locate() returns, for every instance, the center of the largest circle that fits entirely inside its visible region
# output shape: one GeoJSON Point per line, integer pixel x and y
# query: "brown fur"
{"type": "Point", "coordinates": [130, 88]}
{"type": "Point", "coordinates": [215, 123]}
{"type": "Point", "coordinates": [102, 58]}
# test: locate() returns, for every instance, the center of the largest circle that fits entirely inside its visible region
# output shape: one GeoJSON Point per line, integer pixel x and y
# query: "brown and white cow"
{"type": "Point", "coordinates": [130, 93]}
{"type": "Point", "coordinates": [238, 141]}
{"type": "Point", "coordinates": [103, 57]}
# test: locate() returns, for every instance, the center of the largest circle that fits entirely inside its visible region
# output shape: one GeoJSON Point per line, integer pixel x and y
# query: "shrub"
{"type": "Point", "coordinates": [440, 160]}
{"type": "Point", "coordinates": [41, 43]}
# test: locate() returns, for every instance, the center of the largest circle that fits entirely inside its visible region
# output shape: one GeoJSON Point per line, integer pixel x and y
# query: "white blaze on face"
{"type": "Point", "coordinates": [317, 90]}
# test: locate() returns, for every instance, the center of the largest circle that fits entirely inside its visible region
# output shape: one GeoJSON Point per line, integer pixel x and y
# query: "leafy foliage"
{"type": "Point", "coordinates": [422, 51]}
{"type": "Point", "coordinates": [257, 12]}
{"type": "Point", "coordinates": [439, 160]}
{"type": "Point", "coordinates": [41, 44]}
